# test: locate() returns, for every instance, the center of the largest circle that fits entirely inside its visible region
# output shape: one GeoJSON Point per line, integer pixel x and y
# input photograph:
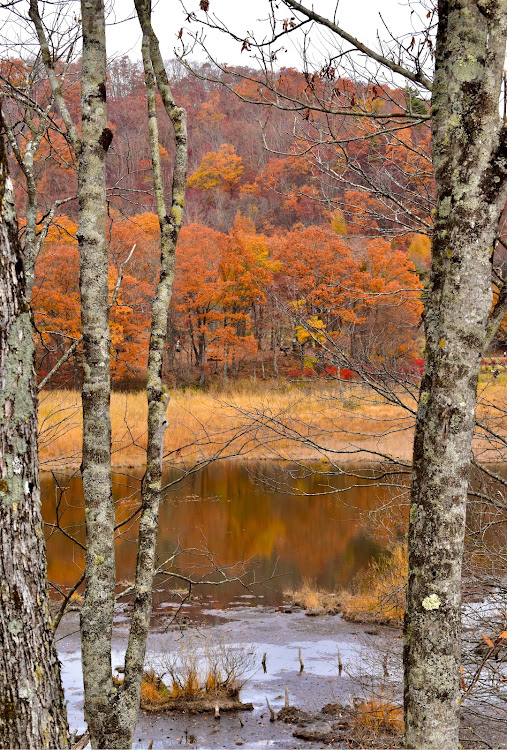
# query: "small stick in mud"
{"type": "Point", "coordinates": [271, 712]}
{"type": "Point", "coordinates": [286, 698]}
{"type": "Point", "coordinates": [386, 670]}
{"type": "Point", "coordinates": [81, 742]}
{"type": "Point", "coordinates": [217, 712]}
{"type": "Point", "coordinates": [264, 656]}
{"type": "Point", "coordinates": [301, 662]}
{"type": "Point", "coordinates": [340, 663]}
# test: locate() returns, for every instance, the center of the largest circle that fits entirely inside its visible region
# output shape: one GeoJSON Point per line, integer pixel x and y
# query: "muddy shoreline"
{"type": "Point", "coordinates": [362, 651]}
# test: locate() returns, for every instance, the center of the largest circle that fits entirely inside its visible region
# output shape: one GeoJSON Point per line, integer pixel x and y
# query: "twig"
{"type": "Point", "coordinates": [340, 663]}
{"type": "Point", "coordinates": [271, 712]}
{"type": "Point", "coordinates": [301, 662]}
{"type": "Point", "coordinates": [386, 670]}
{"type": "Point", "coordinates": [82, 742]}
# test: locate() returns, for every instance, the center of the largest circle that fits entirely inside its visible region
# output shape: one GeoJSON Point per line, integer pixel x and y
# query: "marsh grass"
{"type": "Point", "coordinates": [263, 420]}
{"type": "Point", "coordinates": [245, 420]}
{"type": "Point", "coordinates": [376, 716]}
{"type": "Point", "coordinates": [197, 677]}
{"type": "Point", "coordinates": [312, 599]}
{"type": "Point", "coordinates": [378, 593]}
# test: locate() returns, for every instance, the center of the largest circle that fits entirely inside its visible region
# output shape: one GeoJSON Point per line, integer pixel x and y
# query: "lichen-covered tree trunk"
{"type": "Point", "coordinates": [170, 224]}
{"type": "Point", "coordinates": [98, 606]}
{"type": "Point", "coordinates": [32, 708]}
{"type": "Point", "coordinates": [26, 161]}
{"type": "Point", "coordinates": [469, 156]}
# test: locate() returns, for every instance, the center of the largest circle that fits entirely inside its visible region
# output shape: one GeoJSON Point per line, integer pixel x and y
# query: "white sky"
{"type": "Point", "coordinates": [361, 18]}
{"type": "Point", "coordinates": [364, 19]}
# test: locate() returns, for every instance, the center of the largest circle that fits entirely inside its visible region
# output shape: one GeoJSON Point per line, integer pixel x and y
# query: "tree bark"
{"type": "Point", "coordinates": [170, 225]}
{"type": "Point", "coordinates": [32, 708]}
{"type": "Point", "coordinates": [98, 606]}
{"type": "Point", "coordinates": [469, 157]}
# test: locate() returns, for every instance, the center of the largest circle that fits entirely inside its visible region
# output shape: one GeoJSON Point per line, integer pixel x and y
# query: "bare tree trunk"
{"type": "Point", "coordinates": [111, 711]}
{"type": "Point", "coordinates": [469, 156]}
{"type": "Point", "coordinates": [275, 350]}
{"type": "Point", "coordinates": [32, 708]}
{"type": "Point", "coordinates": [157, 398]}
{"type": "Point", "coordinates": [98, 606]}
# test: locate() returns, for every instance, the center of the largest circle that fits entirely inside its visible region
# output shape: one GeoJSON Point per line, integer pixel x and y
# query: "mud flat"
{"type": "Point", "coordinates": [370, 658]}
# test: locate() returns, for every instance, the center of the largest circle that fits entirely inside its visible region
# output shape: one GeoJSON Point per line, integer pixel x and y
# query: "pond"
{"type": "Point", "coordinates": [277, 524]}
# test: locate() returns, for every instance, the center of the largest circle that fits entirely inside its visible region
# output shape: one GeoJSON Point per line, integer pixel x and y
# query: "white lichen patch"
{"type": "Point", "coordinates": [14, 627]}
{"type": "Point", "coordinates": [445, 206]}
{"type": "Point", "coordinates": [431, 602]}
{"type": "Point", "coordinates": [467, 69]}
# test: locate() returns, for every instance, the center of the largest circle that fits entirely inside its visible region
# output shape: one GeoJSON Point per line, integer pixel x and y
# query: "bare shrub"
{"type": "Point", "coordinates": [199, 676]}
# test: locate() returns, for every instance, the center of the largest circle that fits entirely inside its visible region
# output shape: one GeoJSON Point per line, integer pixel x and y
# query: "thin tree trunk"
{"type": "Point", "coordinates": [157, 397]}
{"type": "Point", "coordinates": [25, 159]}
{"type": "Point", "coordinates": [32, 708]}
{"type": "Point", "coordinates": [98, 606]}
{"type": "Point", "coordinates": [202, 354]}
{"type": "Point", "coordinates": [469, 155]}
{"type": "Point", "coordinates": [275, 350]}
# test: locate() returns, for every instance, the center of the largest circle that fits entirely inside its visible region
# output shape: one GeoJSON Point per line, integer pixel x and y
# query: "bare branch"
{"type": "Point", "coordinates": [418, 78]}
{"type": "Point", "coordinates": [53, 79]}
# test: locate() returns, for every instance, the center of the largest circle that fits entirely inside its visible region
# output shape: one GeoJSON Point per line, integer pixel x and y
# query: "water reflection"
{"type": "Point", "coordinates": [224, 507]}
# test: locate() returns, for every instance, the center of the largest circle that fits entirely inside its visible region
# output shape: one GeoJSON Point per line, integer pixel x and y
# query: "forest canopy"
{"type": "Point", "coordinates": [276, 241]}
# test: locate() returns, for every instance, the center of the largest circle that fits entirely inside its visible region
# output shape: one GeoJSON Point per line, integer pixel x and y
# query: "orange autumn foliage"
{"type": "Point", "coordinates": [220, 169]}
{"type": "Point", "coordinates": [228, 289]}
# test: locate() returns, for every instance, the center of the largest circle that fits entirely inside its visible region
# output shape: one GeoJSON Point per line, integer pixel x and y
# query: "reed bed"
{"type": "Point", "coordinates": [261, 421]}
{"type": "Point", "coordinates": [244, 420]}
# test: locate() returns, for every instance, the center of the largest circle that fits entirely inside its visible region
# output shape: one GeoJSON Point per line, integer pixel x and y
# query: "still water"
{"type": "Point", "coordinates": [238, 512]}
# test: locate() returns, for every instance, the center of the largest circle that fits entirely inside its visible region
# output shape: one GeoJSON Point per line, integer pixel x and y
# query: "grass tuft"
{"type": "Point", "coordinates": [312, 599]}
{"type": "Point", "coordinates": [374, 716]}
{"type": "Point", "coordinates": [197, 678]}
{"type": "Point", "coordinates": [379, 592]}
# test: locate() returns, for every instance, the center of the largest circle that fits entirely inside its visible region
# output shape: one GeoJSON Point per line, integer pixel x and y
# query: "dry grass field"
{"type": "Point", "coordinates": [244, 420]}
{"type": "Point", "coordinates": [248, 420]}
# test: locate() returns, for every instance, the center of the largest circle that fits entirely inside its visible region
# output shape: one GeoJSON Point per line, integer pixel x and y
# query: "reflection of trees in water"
{"type": "Point", "coordinates": [241, 512]}
{"type": "Point", "coordinates": [239, 518]}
